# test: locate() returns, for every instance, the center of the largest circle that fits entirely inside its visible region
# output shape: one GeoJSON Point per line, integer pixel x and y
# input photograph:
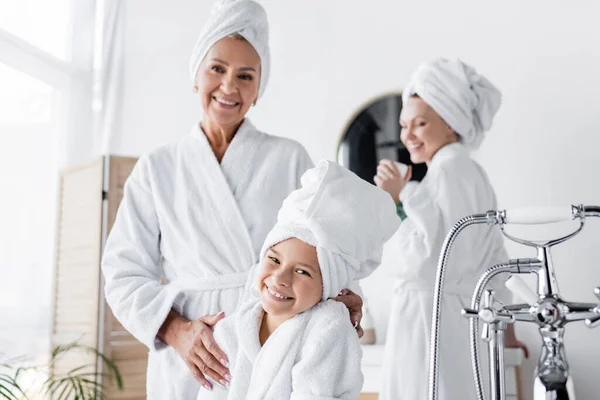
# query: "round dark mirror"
{"type": "Point", "coordinates": [372, 134]}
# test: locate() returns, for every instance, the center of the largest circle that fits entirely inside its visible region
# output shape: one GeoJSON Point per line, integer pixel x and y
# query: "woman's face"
{"type": "Point", "coordinates": [289, 279]}
{"type": "Point", "coordinates": [228, 80]}
{"type": "Point", "coordinates": [424, 132]}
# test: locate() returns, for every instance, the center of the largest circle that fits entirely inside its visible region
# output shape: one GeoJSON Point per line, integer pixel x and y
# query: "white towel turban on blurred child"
{"type": "Point", "coordinates": [464, 99]}
{"type": "Point", "coordinates": [346, 218]}
{"type": "Point", "coordinates": [244, 17]}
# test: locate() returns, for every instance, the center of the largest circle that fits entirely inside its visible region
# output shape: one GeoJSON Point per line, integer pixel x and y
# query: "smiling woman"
{"type": "Point", "coordinates": [448, 108]}
{"type": "Point", "coordinates": [373, 134]}
{"type": "Point", "coordinates": [228, 82]}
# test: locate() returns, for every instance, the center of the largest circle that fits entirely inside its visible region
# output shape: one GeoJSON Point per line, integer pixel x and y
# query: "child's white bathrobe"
{"type": "Point", "coordinates": [315, 355]}
{"type": "Point", "coordinates": [198, 225]}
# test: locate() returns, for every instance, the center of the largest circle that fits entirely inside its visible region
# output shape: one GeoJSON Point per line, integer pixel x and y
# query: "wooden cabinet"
{"type": "Point", "coordinates": [89, 195]}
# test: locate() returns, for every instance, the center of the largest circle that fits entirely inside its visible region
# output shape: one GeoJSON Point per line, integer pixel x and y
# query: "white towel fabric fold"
{"type": "Point", "coordinates": [464, 99]}
{"type": "Point", "coordinates": [244, 17]}
{"type": "Point", "coordinates": [346, 218]}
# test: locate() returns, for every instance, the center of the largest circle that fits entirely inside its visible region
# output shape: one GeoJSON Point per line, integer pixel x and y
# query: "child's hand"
{"type": "Point", "coordinates": [354, 304]}
{"type": "Point", "coordinates": [202, 355]}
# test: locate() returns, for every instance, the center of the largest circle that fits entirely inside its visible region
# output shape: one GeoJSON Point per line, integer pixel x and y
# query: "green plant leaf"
{"type": "Point", "coordinates": [6, 393]}
{"type": "Point", "coordinates": [81, 382]}
{"type": "Point", "coordinates": [66, 392]}
{"type": "Point", "coordinates": [10, 386]}
{"type": "Point", "coordinates": [71, 372]}
{"type": "Point", "coordinates": [114, 369]}
{"type": "Point", "coordinates": [78, 387]}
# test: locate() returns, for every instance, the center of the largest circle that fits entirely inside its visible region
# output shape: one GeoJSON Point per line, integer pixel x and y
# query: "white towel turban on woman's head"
{"type": "Point", "coordinates": [464, 99]}
{"type": "Point", "coordinates": [244, 17]}
{"type": "Point", "coordinates": [346, 218]}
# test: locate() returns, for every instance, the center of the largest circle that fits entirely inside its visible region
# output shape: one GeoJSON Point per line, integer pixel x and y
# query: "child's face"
{"type": "Point", "coordinates": [289, 279]}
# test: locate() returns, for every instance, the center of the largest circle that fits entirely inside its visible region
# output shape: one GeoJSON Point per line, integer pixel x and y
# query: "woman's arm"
{"type": "Point", "coordinates": [421, 234]}
{"type": "Point", "coordinates": [130, 263]}
{"type": "Point", "coordinates": [133, 289]}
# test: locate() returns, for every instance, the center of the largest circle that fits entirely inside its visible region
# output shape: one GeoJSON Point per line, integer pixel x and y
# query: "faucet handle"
{"type": "Point", "coordinates": [492, 315]}
{"type": "Point", "coordinates": [519, 288]}
{"type": "Point", "coordinates": [487, 315]}
{"type": "Point", "coordinates": [486, 332]}
{"type": "Point", "coordinates": [485, 307]}
{"type": "Point", "coordinates": [593, 322]}
{"type": "Point", "coordinates": [469, 313]}
{"type": "Point", "coordinates": [489, 312]}
{"type": "Point", "coordinates": [488, 298]}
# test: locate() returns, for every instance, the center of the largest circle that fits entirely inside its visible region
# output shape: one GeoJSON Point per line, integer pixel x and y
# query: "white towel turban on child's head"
{"type": "Point", "coordinates": [244, 17]}
{"type": "Point", "coordinates": [346, 218]}
{"type": "Point", "coordinates": [464, 99]}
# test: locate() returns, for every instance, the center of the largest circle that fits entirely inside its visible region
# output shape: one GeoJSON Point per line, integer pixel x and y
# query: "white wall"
{"type": "Point", "coordinates": [331, 56]}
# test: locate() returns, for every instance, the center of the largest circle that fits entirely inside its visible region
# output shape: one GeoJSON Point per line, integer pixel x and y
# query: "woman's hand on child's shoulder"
{"type": "Point", "coordinates": [354, 304]}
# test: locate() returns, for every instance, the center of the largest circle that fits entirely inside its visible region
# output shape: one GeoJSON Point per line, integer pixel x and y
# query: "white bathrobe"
{"type": "Point", "coordinates": [455, 186]}
{"type": "Point", "coordinates": [199, 226]}
{"type": "Point", "coordinates": [313, 356]}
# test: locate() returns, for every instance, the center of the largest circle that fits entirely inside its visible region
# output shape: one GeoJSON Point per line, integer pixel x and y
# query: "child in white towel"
{"type": "Point", "coordinates": [287, 340]}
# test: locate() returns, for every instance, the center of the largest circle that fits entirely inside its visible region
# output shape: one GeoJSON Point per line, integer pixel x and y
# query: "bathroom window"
{"type": "Point", "coordinates": [44, 52]}
{"type": "Point", "coordinates": [28, 165]}
{"type": "Point", "coordinates": [44, 24]}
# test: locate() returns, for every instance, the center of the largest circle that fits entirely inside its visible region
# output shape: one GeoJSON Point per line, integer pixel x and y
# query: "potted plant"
{"type": "Point", "coordinates": [80, 383]}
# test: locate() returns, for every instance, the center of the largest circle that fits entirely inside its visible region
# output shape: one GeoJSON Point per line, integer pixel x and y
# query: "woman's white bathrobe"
{"type": "Point", "coordinates": [198, 226]}
{"type": "Point", "coordinates": [455, 186]}
{"type": "Point", "coordinates": [314, 356]}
